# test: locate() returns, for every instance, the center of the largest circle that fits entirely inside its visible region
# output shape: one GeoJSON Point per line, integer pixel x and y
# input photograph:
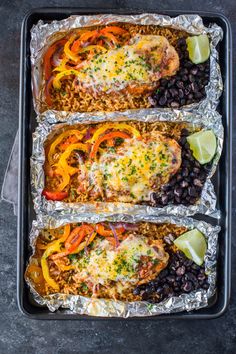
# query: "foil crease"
{"type": "Point", "coordinates": [112, 308]}
{"type": "Point", "coordinates": [43, 34]}
{"type": "Point", "coordinates": [206, 204]}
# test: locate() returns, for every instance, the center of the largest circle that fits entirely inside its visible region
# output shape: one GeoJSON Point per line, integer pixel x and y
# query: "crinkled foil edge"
{"type": "Point", "coordinates": [206, 204]}
{"type": "Point", "coordinates": [43, 34]}
{"type": "Point", "coordinates": [112, 308]}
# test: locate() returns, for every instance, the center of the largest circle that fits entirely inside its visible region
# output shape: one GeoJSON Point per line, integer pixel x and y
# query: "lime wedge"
{"type": "Point", "coordinates": [198, 48]}
{"type": "Point", "coordinates": [193, 244]}
{"type": "Point", "coordinates": [203, 145]}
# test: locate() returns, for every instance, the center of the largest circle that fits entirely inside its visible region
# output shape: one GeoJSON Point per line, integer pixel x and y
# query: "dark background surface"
{"type": "Point", "coordinates": [18, 334]}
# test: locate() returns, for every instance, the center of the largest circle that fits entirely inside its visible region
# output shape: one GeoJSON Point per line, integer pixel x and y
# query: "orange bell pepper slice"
{"type": "Point", "coordinates": [107, 233]}
{"type": "Point", "coordinates": [114, 30]}
{"type": "Point", "coordinates": [108, 136]}
{"type": "Point", "coordinates": [74, 240]}
{"type": "Point", "coordinates": [83, 38]}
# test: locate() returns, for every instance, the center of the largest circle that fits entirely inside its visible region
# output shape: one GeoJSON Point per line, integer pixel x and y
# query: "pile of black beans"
{"type": "Point", "coordinates": [185, 187]}
{"type": "Point", "coordinates": [187, 86]}
{"type": "Point", "coordinates": [180, 277]}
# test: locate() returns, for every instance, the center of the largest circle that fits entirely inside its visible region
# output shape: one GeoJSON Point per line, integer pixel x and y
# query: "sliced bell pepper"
{"type": "Point", "coordinates": [108, 136]}
{"type": "Point", "coordinates": [35, 273]}
{"type": "Point", "coordinates": [118, 126]}
{"type": "Point", "coordinates": [62, 161]}
{"type": "Point", "coordinates": [74, 240]}
{"type": "Point", "coordinates": [83, 38]}
{"type": "Point", "coordinates": [79, 135]}
{"type": "Point", "coordinates": [53, 247]}
{"type": "Point", "coordinates": [68, 51]}
{"type": "Point", "coordinates": [61, 75]}
{"type": "Point", "coordinates": [107, 233]}
{"type": "Point", "coordinates": [54, 195]}
{"type": "Point", "coordinates": [114, 30]}
{"type": "Point", "coordinates": [84, 244]}
{"type": "Point", "coordinates": [110, 37]}
{"type": "Point", "coordinates": [47, 58]}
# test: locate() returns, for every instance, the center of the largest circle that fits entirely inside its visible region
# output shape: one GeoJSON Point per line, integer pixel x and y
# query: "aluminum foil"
{"type": "Point", "coordinates": [206, 204]}
{"type": "Point", "coordinates": [43, 34]}
{"type": "Point", "coordinates": [113, 308]}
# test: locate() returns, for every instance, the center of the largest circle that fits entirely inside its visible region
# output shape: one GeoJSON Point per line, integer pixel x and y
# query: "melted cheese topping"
{"type": "Point", "coordinates": [129, 63]}
{"type": "Point", "coordinates": [135, 167]}
{"type": "Point", "coordinates": [108, 264]}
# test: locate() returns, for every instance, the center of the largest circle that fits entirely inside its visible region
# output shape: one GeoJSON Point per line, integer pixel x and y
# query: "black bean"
{"type": "Point", "coordinates": [164, 199]}
{"type": "Point", "coordinates": [180, 84]}
{"type": "Point", "coordinates": [162, 101]}
{"type": "Point", "coordinates": [185, 172]}
{"type": "Point", "coordinates": [174, 92]}
{"type": "Point", "coordinates": [183, 184]}
{"type": "Point", "coordinates": [171, 82]}
{"type": "Point", "coordinates": [178, 191]}
{"type": "Point", "coordinates": [188, 262]}
{"type": "Point", "coordinates": [197, 182]}
{"type": "Point", "coordinates": [184, 78]}
{"type": "Point", "coordinates": [181, 93]}
{"type": "Point", "coordinates": [182, 102]}
{"type": "Point", "coordinates": [192, 191]}
{"type": "Point", "coordinates": [170, 278]}
{"type": "Point", "coordinates": [191, 78]}
{"type": "Point", "coordinates": [180, 271]}
{"type": "Point", "coordinates": [201, 67]}
{"type": "Point", "coordinates": [201, 277]}
{"type": "Point", "coordinates": [136, 291]}
{"type": "Point", "coordinates": [187, 286]}
{"type": "Point", "coordinates": [163, 274]}
{"type": "Point", "coordinates": [188, 64]}
{"type": "Point", "coordinates": [194, 70]}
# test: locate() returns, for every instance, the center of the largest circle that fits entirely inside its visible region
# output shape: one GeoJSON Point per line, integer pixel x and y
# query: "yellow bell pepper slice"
{"type": "Point", "coordinates": [53, 247]}
{"type": "Point", "coordinates": [118, 126]}
{"type": "Point", "coordinates": [67, 50]}
{"type": "Point", "coordinates": [62, 161]}
{"type": "Point", "coordinates": [65, 178]}
{"type": "Point", "coordinates": [59, 76]}
{"type": "Point", "coordinates": [58, 140]}
{"type": "Point", "coordinates": [93, 47]}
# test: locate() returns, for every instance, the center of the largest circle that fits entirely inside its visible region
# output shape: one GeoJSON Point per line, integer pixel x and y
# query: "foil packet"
{"type": "Point", "coordinates": [44, 34]}
{"type": "Point", "coordinates": [206, 204]}
{"type": "Point", "coordinates": [113, 308]}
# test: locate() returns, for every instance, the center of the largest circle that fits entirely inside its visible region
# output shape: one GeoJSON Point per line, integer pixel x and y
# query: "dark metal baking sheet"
{"type": "Point", "coordinates": [222, 178]}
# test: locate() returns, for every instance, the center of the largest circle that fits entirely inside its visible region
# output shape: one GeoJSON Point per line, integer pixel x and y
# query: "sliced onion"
{"type": "Point", "coordinates": [56, 61]}
{"type": "Point", "coordinates": [115, 234]}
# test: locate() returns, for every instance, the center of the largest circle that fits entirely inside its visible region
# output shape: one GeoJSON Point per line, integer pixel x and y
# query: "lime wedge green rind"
{"type": "Point", "coordinates": [198, 48]}
{"type": "Point", "coordinates": [203, 145]}
{"type": "Point", "coordinates": [193, 245]}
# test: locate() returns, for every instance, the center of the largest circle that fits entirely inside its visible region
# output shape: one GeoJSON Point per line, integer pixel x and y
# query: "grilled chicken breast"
{"type": "Point", "coordinates": [136, 169]}
{"type": "Point", "coordinates": [133, 262]}
{"type": "Point", "coordinates": [135, 67]}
